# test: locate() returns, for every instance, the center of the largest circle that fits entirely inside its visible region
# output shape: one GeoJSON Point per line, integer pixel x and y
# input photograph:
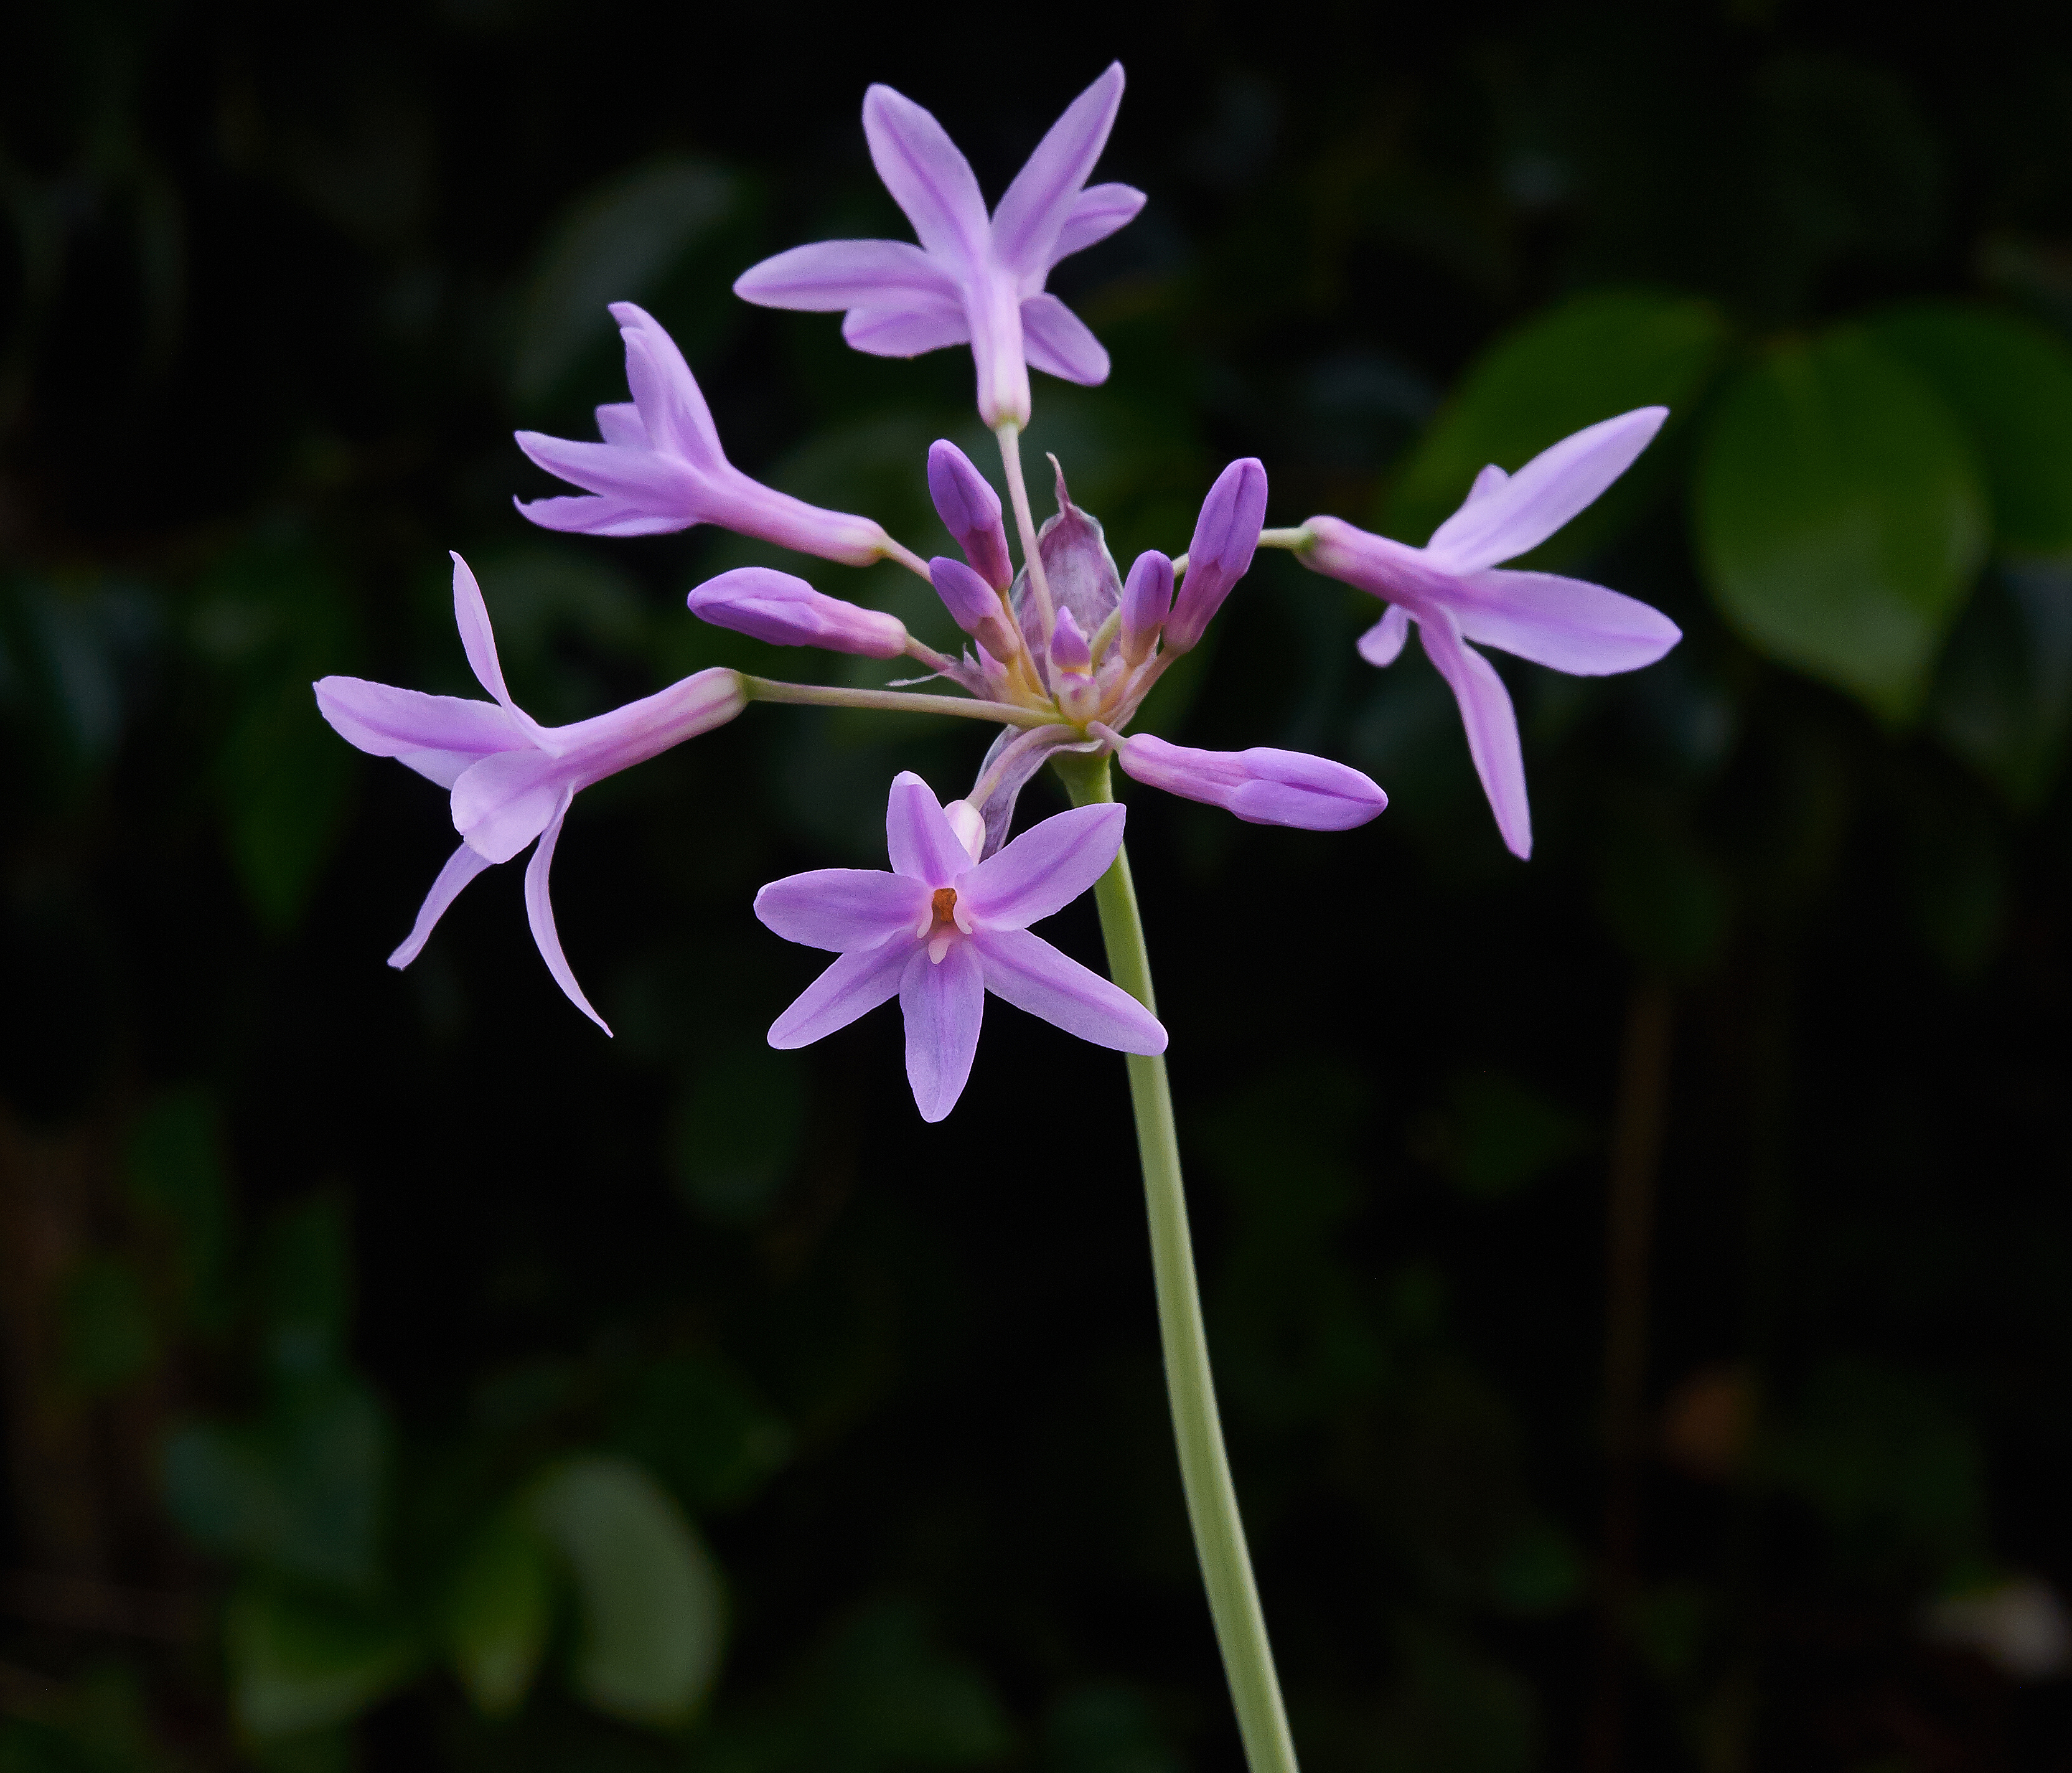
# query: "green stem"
{"type": "Point", "coordinates": [1205, 1473]}
{"type": "Point", "coordinates": [901, 702]}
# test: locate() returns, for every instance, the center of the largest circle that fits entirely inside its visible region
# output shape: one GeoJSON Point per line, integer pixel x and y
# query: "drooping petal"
{"type": "Point", "coordinates": [922, 844]}
{"type": "Point", "coordinates": [644, 480]}
{"type": "Point", "coordinates": [923, 325]}
{"type": "Point", "coordinates": [1491, 724]}
{"type": "Point", "coordinates": [1045, 869]}
{"type": "Point", "coordinates": [1568, 623]}
{"type": "Point", "coordinates": [620, 422]}
{"type": "Point", "coordinates": [844, 909]}
{"type": "Point", "coordinates": [943, 1002]}
{"type": "Point", "coordinates": [462, 866]}
{"type": "Point", "coordinates": [854, 985]}
{"type": "Point", "coordinates": [672, 406]}
{"type": "Point", "coordinates": [503, 802]}
{"type": "Point", "coordinates": [1056, 341]}
{"type": "Point", "coordinates": [596, 515]}
{"type": "Point", "coordinates": [437, 736]}
{"type": "Point", "coordinates": [1030, 974]}
{"type": "Point", "coordinates": [1033, 211]}
{"type": "Point", "coordinates": [1098, 211]}
{"type": "Point", "coordinates": [539, 912]}
{"type": "Point", "coordinates": [928, 178]}
{"type": "Point", "coordinates": [847, 273]}
{"type": "Point", "coordinates": [1504, 520]}
{"type": "Point", "coordinates": [1381, 644]}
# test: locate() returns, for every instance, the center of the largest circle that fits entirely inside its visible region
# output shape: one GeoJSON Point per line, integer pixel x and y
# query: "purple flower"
{"type": "Point", "coordinates": [788, 612]}
{"type": "Point", "coordinates": [1450, 589]}
{"type": "Point", "coordinates": [1147, 600]}
{"type": "Point", "coordinates": [970, 511]}
{"type": "Point", "coordinates": [971, 280]}
{"type": "Point", "coordinates": [942, 930]}
{"type": "Point", "coordinates": [1262, 786]}
{"type": "Point", "coordinates": [1226, 534]}
{"type": "Point", "coordinates": [660, 467]}
{"type": "Point", "coordinates": [513, 778]}
{"type": "Point", "coordinates": [975, 606]}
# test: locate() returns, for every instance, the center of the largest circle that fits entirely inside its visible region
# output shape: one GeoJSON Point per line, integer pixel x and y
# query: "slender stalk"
{"type": "Point", "coordinates": [908, 558]}
{"type": "Point", "coordinates": [901, 702]}
{"type": "Point", "coordinates": [1205, 1473]}
{"type": "Point", "coordinates": [1032, 557]}
{"type": "Point", "coordinates": [1298, 539]}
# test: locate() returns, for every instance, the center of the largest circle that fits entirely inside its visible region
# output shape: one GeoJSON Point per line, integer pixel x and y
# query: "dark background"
{"type": "Point", "coordinates": [312, 1268]}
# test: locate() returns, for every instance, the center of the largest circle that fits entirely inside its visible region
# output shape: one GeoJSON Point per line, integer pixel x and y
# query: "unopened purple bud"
{"type": "Point", "coordinates": [1225, 536]}
{"type": "Point", "coordinates": [788, 612]}
{"type": "Point", "coordinates": [970, 511]}
{"type": "Point", "coordinates": [1069, 651]}
{"type": "Point", "coordinates": [974, 606]}
{"type": "Point", "coordinates": [1147, 600]}
{"type": "Point", "coordinates": [1262, 786]}
{"type": "Point", "coordinates": [1072, 668]}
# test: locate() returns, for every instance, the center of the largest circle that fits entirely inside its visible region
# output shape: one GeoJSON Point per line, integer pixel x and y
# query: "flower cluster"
{"type": "Point", "coordinates": [1061, 653]}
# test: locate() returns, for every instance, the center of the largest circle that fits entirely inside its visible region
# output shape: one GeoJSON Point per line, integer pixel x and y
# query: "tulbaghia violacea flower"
{"type": "Point", "coordinates": [511, 779]}
{"type": "Point", "coordinates": [1262, 786]}
{"type": "Point", "coordinates": [660, 466]}
{"type": "Point", "coordinates": [1451, 588]}
{"type": "Point", "coordinates": [973, 279]}
{"type": "Point", "coordinates": [787, 611]}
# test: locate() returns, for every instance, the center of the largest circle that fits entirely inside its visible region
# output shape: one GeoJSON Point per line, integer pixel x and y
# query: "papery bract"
{"type": "Point", "coordinates": [787, 611]}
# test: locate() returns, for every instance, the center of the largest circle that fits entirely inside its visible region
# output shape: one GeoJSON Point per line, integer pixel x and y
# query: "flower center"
{"type": "Point", "coordinates": [945, 926]}
{"type": "Point", "coordinates": [945, 904]}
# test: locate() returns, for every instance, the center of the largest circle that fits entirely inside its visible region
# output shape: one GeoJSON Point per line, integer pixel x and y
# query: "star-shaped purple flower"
{"type": "Point", "coordinates": [1450, 588]}
{"type": "Point", "coordinates": [973, 279]}
{"type": "Point", "coordinates": [512, 779]}
{"type": "Point", "coordinates": [944, 928]}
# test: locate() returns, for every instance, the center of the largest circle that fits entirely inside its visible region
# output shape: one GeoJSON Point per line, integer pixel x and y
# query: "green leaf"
{"type": "Point", "coordinates": [285, 778]}
{"type": "Point", "coordinates": [2009, 383]}
{"type": "Point", "coordinates": [736, 1134]}
{"type": "Point", "coordinates": [1590, 358]}
{"type": "Point", "coordinates": [108, 1336]}
{"type": "Point", "coordinates": [1839, 518]}
{"type": "Point", "coordinates": [653, 1614]}
{"type": "Point", "coordinates": [2003, 697]}
{"type": "Point", "coordinates": [176, 1177]}
{"type": "Point", "coordinates": [497, 1613]}
{"type": "Point", "coordinates": [298, 1664]}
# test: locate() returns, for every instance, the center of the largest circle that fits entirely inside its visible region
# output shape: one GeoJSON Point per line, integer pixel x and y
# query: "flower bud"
{"type": "Point", "coordinates": [1225, 535]}
{"type": "Point", "coordinates": [1262, 786]}
{"type": "Point", "coordinates": [974, 606]}
{"type": "Point", "coordinates": [969, 824]}
{"type": "Point", "coordinates": [1072, 668]}
{"type": "Point", "coordinates": [1147, 600]}
{"type": "Point", "coordinates": [970, 511]}
{"type": "Point", "coordinates": [788, 612]}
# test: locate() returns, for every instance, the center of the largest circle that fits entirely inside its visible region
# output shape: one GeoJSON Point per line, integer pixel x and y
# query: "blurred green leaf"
{"type": "Point", "coordinates": [286, 778]}
{"type": "Point", "coordinates": [2004, 699]}
{"type": "Point", "coordinates": [1588, 358]}
{"type": "Point", "coordinates": [109, 1338]}
{"type": "Point", "coordinates": [653, 1614]}
{"type": "Point", "coordinates": [176, 1175]}
{"type": "Point", "coordinates": [1452, 1707]}
{"type": "Point", "coordinates": [737, 1132]}
{"type": "Point", "coordinates": [498, 1610]}
{"type": "Point", "coordinates": [1841, 520]}
{"type": "Point", "coordinates": [1107, 1729]}
{"type": "Point", "coordinates": [2009, 382]}
{"type": "Point", "coordinates": [1664, 898]}
{"type": "Point", "coordinates": [306, 1281]}
{"type": "Point", "coordinates": [299, 1664]}
{"type": "Point", "coordinates": [1497, 1134]}
{"type": "Point", "coordinates": [701, 1426]}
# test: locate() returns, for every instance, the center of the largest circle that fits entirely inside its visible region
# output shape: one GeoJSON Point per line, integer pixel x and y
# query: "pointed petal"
{"type": "Point", "coordinates": [1099, 211]}
{"type": "Point", "coordinates": [539, 912]}
{"type": "Point", "coordinates": [600, 516]}
{"type": "Point", "coordinates": [477, 639]}
{"type": "Point", "coordinates": [1045, 869]}
{"type": "Point", "coordinates": [928, 178]}
{"type": "Point", "coordinates": [503, 802]}
{"type": "Point", "coordinates": [644, 480]}
{"type": "Point", "coordinates": [670, 405]}
{"type": "Point", "coordinates": [847, 273]}
{"type": "Point", "coordinates": [1033, 975]}
{"type": "Point", "coordinates": [1567, 624]}
{"type": "Point", "coordinates": [462, 866]}
{"type": "Point", "coordinates": [1056, 341]}
{"type": "Point", "coordinates": [1487, 481]}
{"type": "Point", "coordinates": [620, 422]}
{"type": "Point", "coordinates": [1380, 644]}
{"type": "Point", "coordinates": [856, 984]}
{"type": "Point", "coordinates": [925, 325]}
{"type": "Point", "coordinates": [437, 736]}
{"type": "Point", "coordinates": [1034, 212]}
{"type": "Point", "coordinates": [922, 846]}
{"type": "Point", "coordinates": [1507, 520]}
{"type": "Point", "coordinates": [1492, 726]}
{"type": "Point", "coordinates": [844, 909]}
{"type": "Point", "coordinates": [943, 1002]}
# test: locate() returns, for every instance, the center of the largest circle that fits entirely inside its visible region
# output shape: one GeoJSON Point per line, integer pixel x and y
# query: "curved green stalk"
{"type": "Point", "coordinates": [1204, 1468]}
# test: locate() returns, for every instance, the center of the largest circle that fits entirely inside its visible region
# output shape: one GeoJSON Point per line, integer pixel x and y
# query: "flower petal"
{"type": "Point", "coordinates": [1033, 975]}
{"type": "Point", "coordinates": [1568, 623]}
{"type": "Point", "coordinates": [1033, 211]}
{"type": "Point", "coordinates": [844, 909]}
{"type": "Point", "coordinates": [1492, 726]}
{"type": "Point", "coordinates": [645, 479]}
{"type": "Point", "coordinates": [1262, 786]}
{"type": "Point", "coordinates": [603, 745]}
{"type": "Point", "coordinates": [437, 736]}
{"type": "Point", "coordinates": [922, 844]}
{"type": "Point", "coordinates": [671, 408]}
{"type": "Point", "coordinates": [943, 1002]}
{"type": "Point", "coordinates": [600, 516]}
{"type": "Point", "coordinates": [539, 912]}
{"type": "Point", "coordinates": [503, 802]}
{"type": "Point", "coordinates": [925, 325]}
{"type": "Point", "coordinates": [1056, 341]}
{"type": "Point", "coordinates": [847, 273]}
{"type": "Point", "coordinates": [620, 422]}
{"type": "Point", "coordinates": [856, 984]}
{"type": "Point", "coordinates": [1099, 211]}
{"type": "Point", "coordinates": [462, 866]}
{"type": "Point", "coordinates": [1500, 520]}
{"type": "Point", "coordinates": [477, 638]}
{"type": "Point", "coordinates": [928, 178]}
{"type": "Point", "coordinates": [1380, 644]}
{"type": "Point", "coordinates": [1045, 869]}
